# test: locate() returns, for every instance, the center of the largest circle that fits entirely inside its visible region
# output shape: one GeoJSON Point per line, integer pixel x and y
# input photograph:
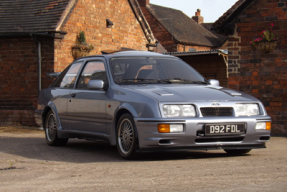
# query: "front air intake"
{"type": "Point", "coordinates": [216, 111]}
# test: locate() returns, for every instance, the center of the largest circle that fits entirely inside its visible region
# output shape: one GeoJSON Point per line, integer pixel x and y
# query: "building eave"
{"type": "Point", "coordinates": [52, 34]}
{"type": "Point", "coordinates": [221, 23]}
{"type": "Point", "coordinates": [210, 52]}
{"type": "Point", "coordinates": [66, 14]}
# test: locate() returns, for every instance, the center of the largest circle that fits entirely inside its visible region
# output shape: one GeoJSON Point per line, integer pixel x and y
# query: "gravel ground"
{"type": "Point", "coordinates": [27, 163]}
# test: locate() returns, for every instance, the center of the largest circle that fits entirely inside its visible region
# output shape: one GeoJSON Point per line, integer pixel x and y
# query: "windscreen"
{"type": "Point", "coordinates": [132, 70]}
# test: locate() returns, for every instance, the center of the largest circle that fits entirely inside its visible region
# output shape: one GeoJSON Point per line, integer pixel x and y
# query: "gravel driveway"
{"type": "Point", "coordinates": [27, 163]}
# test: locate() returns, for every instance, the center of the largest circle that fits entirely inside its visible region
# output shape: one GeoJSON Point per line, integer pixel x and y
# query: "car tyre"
{"type": "Point", "coordinates": [51, 131]}
{"type": "Point", "coordinates": [237, 151]}
{"type": "Point", "coordinates": [127, 140]}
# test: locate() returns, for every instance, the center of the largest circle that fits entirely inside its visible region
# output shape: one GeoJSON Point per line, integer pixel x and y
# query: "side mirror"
{"type": "Point", "coordinates": [96, 84]}
{"type": "Point", "coordinates": [213, 82]}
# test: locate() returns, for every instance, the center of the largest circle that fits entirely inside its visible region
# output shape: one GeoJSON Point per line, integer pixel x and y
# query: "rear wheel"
{"type": "Point", "coordinates": [237, 151]}
{"type": "Point", "coordinates": [51, 131]}
{"type": "Point", "coordinates": [127, 141]}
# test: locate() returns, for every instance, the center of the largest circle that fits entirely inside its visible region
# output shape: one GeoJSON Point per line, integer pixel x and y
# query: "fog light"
{"type": "Point", "coordinates": [173, 128]}
{"type": "Point", "coordinates": [176, 128]}
{"type": "Point", "coordinates": [263, 125]}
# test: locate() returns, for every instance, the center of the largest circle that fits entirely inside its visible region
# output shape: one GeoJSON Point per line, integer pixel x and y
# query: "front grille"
{"type": "Point", "coordinates": [216, 111]}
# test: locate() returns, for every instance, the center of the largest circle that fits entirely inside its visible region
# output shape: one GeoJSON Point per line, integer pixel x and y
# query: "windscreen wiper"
{"type": "Point", "coordinates": [198, 82]}
{"type": "Point", "coordinates": [179, 80]}
{"type": "Point", "coordinates": [134, 81]}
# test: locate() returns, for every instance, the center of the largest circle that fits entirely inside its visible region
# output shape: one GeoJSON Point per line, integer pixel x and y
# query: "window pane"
{"type": "Point", "coordinates": [70, 77]}
{"type": "Point", "coordinates": [152, 68]}
{"type": "Point", "coordinates": [93, 71]}
{"type": "Point", "coordinates": [59, 79]}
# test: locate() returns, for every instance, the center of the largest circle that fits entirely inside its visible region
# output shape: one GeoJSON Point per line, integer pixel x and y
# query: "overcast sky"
{"type": "Point", "coordinates": [211, 10]}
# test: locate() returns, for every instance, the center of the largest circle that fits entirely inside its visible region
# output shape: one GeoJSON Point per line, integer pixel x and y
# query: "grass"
{"type": "Point", "coordinates": [19, 129]}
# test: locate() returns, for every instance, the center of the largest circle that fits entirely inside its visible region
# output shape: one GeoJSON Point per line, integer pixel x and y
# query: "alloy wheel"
{"type": "Point", "coordinates": [126, 136]}
{"type": "Point", "coordinates": [51, 129]}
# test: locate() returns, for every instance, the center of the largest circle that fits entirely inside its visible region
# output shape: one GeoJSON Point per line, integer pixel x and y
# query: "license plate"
{"type": "Point", "coordinates": [224, 129]}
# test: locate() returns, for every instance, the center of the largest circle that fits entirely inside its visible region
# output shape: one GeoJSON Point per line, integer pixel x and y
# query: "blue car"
{"type": "Point", "coordinates": [143, 101]}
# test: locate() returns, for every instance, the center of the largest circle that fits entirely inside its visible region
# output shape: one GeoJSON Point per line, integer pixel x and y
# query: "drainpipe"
{"type": "Point", "coordinates": [39, 62]}
{"type": "Point", "coordinates": [39, 67]}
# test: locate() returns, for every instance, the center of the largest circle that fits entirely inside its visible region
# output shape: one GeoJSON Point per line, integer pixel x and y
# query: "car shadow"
{"type": "Point", "coordinates": [86, 151]}
{"type": "Point", "coordinates": [180, 155]}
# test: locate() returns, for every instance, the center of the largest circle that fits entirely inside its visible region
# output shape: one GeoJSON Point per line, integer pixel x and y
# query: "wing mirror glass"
{"type": "Point", "coordinates": [213, 82]}
{"type": "Point", "coordinates": [96, 84]}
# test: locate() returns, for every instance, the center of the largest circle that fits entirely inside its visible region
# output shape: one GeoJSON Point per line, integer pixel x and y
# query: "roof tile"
{"type": "Point", "coordinates": [30, 15]}
{"type": "Point", "coordinates": [183, 28]}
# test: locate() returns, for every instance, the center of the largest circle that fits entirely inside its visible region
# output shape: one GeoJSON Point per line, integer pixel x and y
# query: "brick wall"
{"type": "Point", "coordinates": [260, 74]}
{"type": "Point", "coordinates": [90, 16]}
{"type": "Point", "coordinates": [19, 78]}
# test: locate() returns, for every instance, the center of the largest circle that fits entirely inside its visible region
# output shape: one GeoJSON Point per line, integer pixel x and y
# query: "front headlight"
{"type": "Point", "coordinates": [246, 109]}
{"type": "Point", "coordinates": [178, 111]}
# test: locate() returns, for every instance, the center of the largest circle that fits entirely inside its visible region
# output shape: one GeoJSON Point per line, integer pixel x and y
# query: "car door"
{"type": "Point", "coordinates": [61, 89]}
{"type": "Point", "coordinates": [87, 108]}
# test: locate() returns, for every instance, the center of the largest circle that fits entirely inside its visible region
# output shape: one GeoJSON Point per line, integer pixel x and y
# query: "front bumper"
{"type": "Point", "coordinates": [194, 138]}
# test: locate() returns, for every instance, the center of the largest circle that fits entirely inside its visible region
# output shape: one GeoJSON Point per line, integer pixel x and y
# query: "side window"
{"type": "Point", "coordinates": [94, 70]}
{"type": "Point", "coordinates": [68, 77]}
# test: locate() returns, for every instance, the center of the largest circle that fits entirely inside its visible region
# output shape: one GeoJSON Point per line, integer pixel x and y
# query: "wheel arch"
{"type": "Point", "coordinates": [44, 115]}
{"type": "Point", "coordinates": [124, 108]}
{"type": "Point", "coordinates": [51, 107]}
{"type": "Point", "coordinates": [119, 114]}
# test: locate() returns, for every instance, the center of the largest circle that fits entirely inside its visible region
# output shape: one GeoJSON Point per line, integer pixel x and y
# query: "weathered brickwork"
{"type": "Point", "coordinates": [19, 77]}
{"type": "Point", "coordinates": [234, 53]}
{"type": "Point", "coordinates": [90, 16]}
{"type": "Point", "coordinates": [260, 74]}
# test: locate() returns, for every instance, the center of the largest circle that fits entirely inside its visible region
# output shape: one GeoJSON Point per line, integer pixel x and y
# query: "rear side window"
{"type": "Point", "coordinates": [67, 79]}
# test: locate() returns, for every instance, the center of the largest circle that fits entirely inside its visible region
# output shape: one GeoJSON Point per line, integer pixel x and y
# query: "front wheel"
{"type": "Point", "coordinates": [237, 151]}
{"type": "Point", "coordinates": [127, 141]}
{"type": "Point", "coordinates": [51, 131]}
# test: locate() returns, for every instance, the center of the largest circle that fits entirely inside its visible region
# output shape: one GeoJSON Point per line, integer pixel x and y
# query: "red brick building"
{"type": "Point", "coordinates": [36, 38]}
{"type": "Point", "coordinates": [253, 71]}
{"type": "Point", "coordinates": [177, 32]}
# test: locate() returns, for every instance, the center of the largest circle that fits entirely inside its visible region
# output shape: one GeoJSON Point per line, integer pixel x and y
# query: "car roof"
{"type": "Point", "coordinates": [127, 54]}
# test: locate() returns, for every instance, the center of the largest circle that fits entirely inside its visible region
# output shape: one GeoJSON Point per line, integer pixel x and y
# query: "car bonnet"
{"type": "Point", "coordinates": [190, 93]}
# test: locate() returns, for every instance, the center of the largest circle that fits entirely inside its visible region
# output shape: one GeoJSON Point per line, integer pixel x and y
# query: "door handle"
{"type": "Point", "coordinates": [73, 95]}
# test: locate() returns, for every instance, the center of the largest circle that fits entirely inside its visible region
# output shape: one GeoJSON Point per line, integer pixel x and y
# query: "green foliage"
{"type": "Point", "coordinates": [81, 48]}
{"type": "Point", "coordinates": [266, 35]}
{"type": "Point", "coordinates": [82, 38]}
{"type": "Point", "coordinates": [81, 43]}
